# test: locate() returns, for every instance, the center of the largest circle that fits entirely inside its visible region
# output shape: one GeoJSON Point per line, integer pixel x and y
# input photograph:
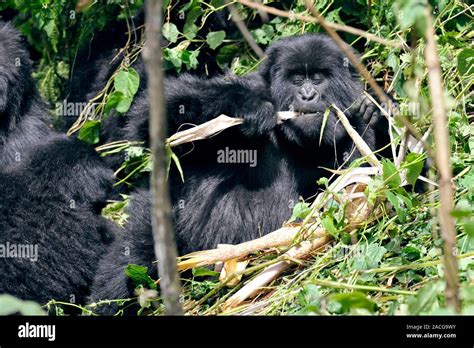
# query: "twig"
{"type": "Point", "coordinates": [244, 30]}
{"type": "Point", "coordinates": [443, 160]}
{"type": "Point", "coordinates": [335, 26]}
{"type": "Point", "coordinates": [164, 241]}
{"type": "Point", "coordinates": [337, 285]}
{"type": "Point", "coordinates": [361, 145]}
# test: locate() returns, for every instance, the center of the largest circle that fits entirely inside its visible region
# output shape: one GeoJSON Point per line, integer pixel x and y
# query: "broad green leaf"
{"type": "Point", "coordinates": [215, 38]}
{"type": "Point", "coordinates": [139, 276]}
{"type": "Point", "coordinates": [353, 300]}
{"type": "Point", "coordinates": [397, 205]}
{"type": "Point", "coordinates": [90, 132]}
{"type": "Point", "coordinates": [466, 61]}
{"type": "Point", "coordinates": [414, 167]}
{"type": "Point", "coordinates": [390, 174]}
{"type": "Point", "coordinates": [469, 228]}
{"type": "Point", "coordinates": [328, 224]}
{"type": "Point", "coordinates": [112, 101]}
{"type": "Point", "coordinates": [124, 104]}
{"type": "Point", "coordinates": [426, 297]}
{"type": "Point", "coordinates": [300, 211]}
{"type": "Point", "coordinates": [412, 13]}
{"type": "Point", "coordinates": [173, 56]}
{"type": "Point", "coordinates": [368, 256]}
{"type": "Point", "coordinates": [118, 101]}
{"type": "Point", "coordinates": [170, 32]}
{"type": "Point", "coordinates": [127, 82]}
{"type": "Point", "coordinates": [190, 30]}
{"type": "Point", "coordinates": [204, 272]}
{"type": "Point", "coordinates": [411, 253]}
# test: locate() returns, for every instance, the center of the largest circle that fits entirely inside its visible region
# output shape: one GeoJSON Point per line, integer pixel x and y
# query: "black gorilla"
{"type": "Point", "coordinates": [223, 202]}
{"type": "Point", "coordinates": [52, 190]}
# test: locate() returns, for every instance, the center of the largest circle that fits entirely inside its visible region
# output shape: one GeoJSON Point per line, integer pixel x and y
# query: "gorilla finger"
{"type": "Point", "coordinates": [368, 114]}
{"type": "Point", "coordinates": [377, 117]}
{"type": "Point", "coordinates": [356, 106]}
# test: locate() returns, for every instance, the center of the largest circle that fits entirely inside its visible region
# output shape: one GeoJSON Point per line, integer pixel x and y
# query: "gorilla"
{"type": "Point", "coordinates": [227, 199]}
{"type": "Point", "coordinates": [52, 190]}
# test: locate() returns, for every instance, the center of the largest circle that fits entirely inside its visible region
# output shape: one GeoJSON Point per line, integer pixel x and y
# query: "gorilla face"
{"type": "Point", "coordinates": [307, 74]}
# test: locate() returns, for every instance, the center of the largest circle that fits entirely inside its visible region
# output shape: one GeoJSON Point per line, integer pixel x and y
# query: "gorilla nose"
{"type": "Point", "coordinates": [307, 94]}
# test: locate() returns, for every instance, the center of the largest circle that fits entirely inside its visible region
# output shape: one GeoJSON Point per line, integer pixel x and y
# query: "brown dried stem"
{"type": "Point", "coordinates": [443, 160]}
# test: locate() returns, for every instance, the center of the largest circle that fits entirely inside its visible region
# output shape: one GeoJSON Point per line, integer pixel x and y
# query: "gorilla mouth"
{"type": "Point", "coordinates": [308, 111]}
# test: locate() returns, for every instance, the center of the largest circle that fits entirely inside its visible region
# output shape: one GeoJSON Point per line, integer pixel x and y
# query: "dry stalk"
{"type": "Point", "coordinates": [443, 161]}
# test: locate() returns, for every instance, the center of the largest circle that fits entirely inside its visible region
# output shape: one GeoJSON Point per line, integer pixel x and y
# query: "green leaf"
{"type": "Point", "coordinates": [300, 211]}
{"type": "Point", "coordinates": [411, 253]}
{"type": "Point", "coordinates": [119, 102]}
{"type": "Point", "coordinates": [353, 300]}
{"type": "Point", "coordinates": [190, 30]}
{"type": "Point", "coordinates": [414, 167]}
{"type": "Point", "coordinates": [325, 119]}
{"type": "Point", "coordinates": [10, 305]}
{"type": "Point", "coordinates": [127, 82]}
{"type": "Point", "coordinates": [469, 228]}
{"type": "Point", "coordinates": [466, 61]}
{"type": "Point", "coordinates": [412, 13]}
{"type": "Point", "coordinates": [390, 174]}
{"type": "Point", "coordinates": [124, 104]}
{"type": "Point", "coordinates": [90, 132]}
{"type": "Point", "coordinates": [328, 224]}
{"type": "Point", "coordinates": [368, 256]}
{"type": "Point", "coordinates": [226, 54]}
{"type": "Point", "coordinates": [171, 156]}
{"type": "Point", "coordinates": [173, 56]}
{"type": "Point", "coordinates": [170, 32]}
{"type": "Point", "coordinates": [397, 205]}
{"type": "Point", "coordinates": [204, 272]}
{"type": "Point", "coordinates": [215, 38]}
{"type": "Point", "coordinates": [178, 165]}
{"type": "Point", "coordinates": [139, 276]}
{"type": "Point", "coordinates": [426, 298]}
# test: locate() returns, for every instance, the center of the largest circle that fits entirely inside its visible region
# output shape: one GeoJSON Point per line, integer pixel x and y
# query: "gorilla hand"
{"type": "Point", "coordinates": [367, 111]}
{"type": "Point", "coordinates": [259, 116]}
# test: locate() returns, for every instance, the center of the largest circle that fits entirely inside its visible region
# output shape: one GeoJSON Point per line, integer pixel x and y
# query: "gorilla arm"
{"type": "Point", "coordinates": [195, 100]}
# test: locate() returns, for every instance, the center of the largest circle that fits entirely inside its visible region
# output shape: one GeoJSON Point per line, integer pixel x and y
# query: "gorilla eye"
{"type": "Point", "coordinates": [297, 80]}
{"type": "Point", "coordinates": [317, 78]}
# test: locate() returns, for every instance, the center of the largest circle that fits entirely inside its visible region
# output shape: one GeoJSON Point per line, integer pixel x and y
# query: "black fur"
{"type": "Point", "coordinates": [226, 203]}
{"type": "Point", "coordinates": [52, 190]}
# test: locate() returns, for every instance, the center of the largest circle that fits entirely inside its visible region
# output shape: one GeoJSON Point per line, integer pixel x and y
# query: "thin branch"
{"type": "Point", "coordinates": [335, 26]}
{"type": "Point", "coordinates": [245, 31]}
{"type": "Point", "coordinates": [443, 160]}
{"type": "Point", "coordinates": [165, 245]}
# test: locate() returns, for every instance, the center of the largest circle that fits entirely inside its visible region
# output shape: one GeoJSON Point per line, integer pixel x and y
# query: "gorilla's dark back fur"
{"type": "Point", "coordinates": [52, 190]}
{"type": "Point", "coordinates": [23, 116]}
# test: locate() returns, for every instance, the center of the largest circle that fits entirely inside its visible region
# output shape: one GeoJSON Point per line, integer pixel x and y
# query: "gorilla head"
{"type": "Point", "coordinates": [307, 74]}
{"type": "Point", "coordinates": [16, 85]}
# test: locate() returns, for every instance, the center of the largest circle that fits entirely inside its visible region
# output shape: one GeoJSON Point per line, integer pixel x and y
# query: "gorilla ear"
{"type": "Point", "coordinates": [346, 63]}
{"type": "Point", "coordinates": [271, 58]}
